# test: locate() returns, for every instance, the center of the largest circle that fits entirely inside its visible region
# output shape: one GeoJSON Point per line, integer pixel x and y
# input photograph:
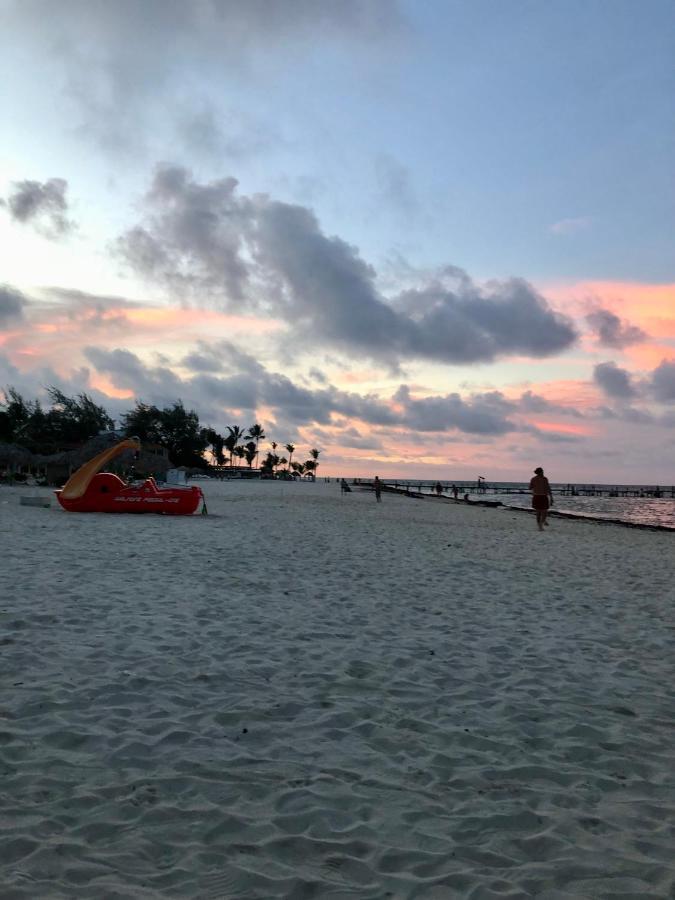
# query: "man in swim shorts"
{"type": "Point", "coordinates": [542, 498]}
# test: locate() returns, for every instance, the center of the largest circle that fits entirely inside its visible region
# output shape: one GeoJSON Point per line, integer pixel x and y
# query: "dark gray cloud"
{"type": "Point", "coordinates": [32, 384]}
{"type": "Point", "coordinates": [222, 356]}
{"type": "Point", "coordinates": [93, 312]}
{"type": "Point", "coordinates": [202, 361]}
{"type": "Point", "coordinates": [557, 437]}
{"type": "Point", "coordinates": [41, 204]}
{"type": "Point", "coordinates": [205, 241]}
{"type": "Point", "coordinates": [12, 303]}
{"type": "Point", "coordinates": [640, 416]}
{"type": "Point", "coordinates": [248, 386]}
{"type": "Point", "coordinates": [473, 324]}
{"type": "Point", "coordinates": [155, 385]}
{"type": "Point", "coordinates": [347, 437]}
{"type": "Point", "coordinates": [317, 375]}
{"type": "Point", "coordinates": [662, 382]}
{"type": "Point", "coordinates": [614, 381]}
{"type": "Point", "coordinates": [535, 403]}
{"type": "Point", "coordinates": [486, 414]}
{"type": "Point", "coordinates": [192, 239]}
{"type": "Point", "coordinates": [611, 331]}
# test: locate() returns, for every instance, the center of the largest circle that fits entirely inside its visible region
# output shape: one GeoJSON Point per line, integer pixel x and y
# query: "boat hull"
{"type": "Point", "coordinates": [109, 494]}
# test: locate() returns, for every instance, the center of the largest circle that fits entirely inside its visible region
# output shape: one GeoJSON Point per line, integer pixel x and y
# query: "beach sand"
{"type": "Point", "coordinates": [305, 694]}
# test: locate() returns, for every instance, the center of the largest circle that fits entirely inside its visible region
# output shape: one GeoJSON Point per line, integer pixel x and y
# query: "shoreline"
{"type": "Point", "coordinates": [497, 504]}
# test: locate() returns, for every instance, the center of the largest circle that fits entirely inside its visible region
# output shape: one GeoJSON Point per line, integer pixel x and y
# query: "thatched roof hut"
{"type": "Point", "coordinates": [12, 456]}
{"type": "Point", "coordinates": [59, 466]}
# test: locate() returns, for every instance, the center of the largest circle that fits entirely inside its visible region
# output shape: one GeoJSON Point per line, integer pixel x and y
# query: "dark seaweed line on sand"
{"type": "Point", "coordinates": [599, 519]}
{"type": "Point", "coordinates": [580, 517]}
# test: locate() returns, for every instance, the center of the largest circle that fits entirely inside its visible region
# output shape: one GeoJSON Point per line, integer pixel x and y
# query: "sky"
{"type": "Point", "coordinates": [432, 239]}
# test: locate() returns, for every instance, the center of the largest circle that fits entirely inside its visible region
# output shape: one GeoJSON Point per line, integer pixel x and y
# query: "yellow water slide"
{"type": "Point", "coordinates": [79, 481]}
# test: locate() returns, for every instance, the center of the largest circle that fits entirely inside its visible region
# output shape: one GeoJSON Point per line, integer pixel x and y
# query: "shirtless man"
{"type": "Point", "coordinates": [542, 498]}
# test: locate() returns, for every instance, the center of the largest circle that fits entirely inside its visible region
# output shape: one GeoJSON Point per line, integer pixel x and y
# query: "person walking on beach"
{"type": "Point", "coordinates": [455, 491]}
{"type": "Point", "coordinates": [542, 498]}
{"type": "Point", "coordinates": [344, 487]}
{"type": "Point", "coordinates": [439, 489]}
{"type": "Point", "coordinates": [378, 489]}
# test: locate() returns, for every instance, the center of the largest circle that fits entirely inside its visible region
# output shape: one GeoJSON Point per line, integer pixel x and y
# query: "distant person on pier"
{"type": "Point", "coordinates": [542, 498]}
{"type": "Point", "coordinates": [378, 489]}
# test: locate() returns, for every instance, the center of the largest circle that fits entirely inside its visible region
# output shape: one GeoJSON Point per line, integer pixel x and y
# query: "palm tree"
{"type": "Point", "coordinates": [239, 452]}
{"type": "Point", "coordinates": [250, 451]}
{"type": "Point", "coordinates": [268, 464]}
{"type": "Point", "coordinates": [299, 468]}
{"type": "Point", "coordinates": [291, 450]}
{"type": "Point", "coordinates": [233, 438]}
{"type": "Point", "coordinates": [217, 444]}
{"type": "Point", "coordinates": [310, 466]}
{"type": "Point", "coordinates": [257, 434]}
{"type": "Point", "coordinates": [314, 453]}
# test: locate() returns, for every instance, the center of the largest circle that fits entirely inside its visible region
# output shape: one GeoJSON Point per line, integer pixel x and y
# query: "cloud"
{"type": "Point", "coordinates": [204, 240]}
{"type": "Point", "coordinates": [615, 382]}
{"type": "Point", "coordinates": [113, 56]}
{"type": "Point", "coordinates": [558, 437]}
{"type": "Point", "coordinates": [485, 414]}
{"type": "Point", "coordinates": [212, 133]}
{"type": "Point", "coordinates": [662, 381]}
{"type": "Point", "coordinates": [33, 383]}
{"type": "Point", "coordinates": [157, 384]}
{"type": "Point", "coordinates": [611, 331]}
{"type": "Point", "coordinates": [12, 304]}
{"type": "Point", "coordinates": [535, 403]}
{"type": "Point", "coordinates": [347, 438]}
{"type": "Point", "coordinates": [394, 185]}
{"type": "Point", "coordinates": [93, 311]}
{"type": "Point", "coordinates": [570, 226]}
{"type": "Point", "coordinates": [246, 386]}
{"type": "Point", "coordinates": [242, 385]}
{"type": "Point", "coordinates": [317, 375]}
{"type": "Point", "coordinates": [43, 205]}
{"type": "Point", "coordinates": [192, 238]}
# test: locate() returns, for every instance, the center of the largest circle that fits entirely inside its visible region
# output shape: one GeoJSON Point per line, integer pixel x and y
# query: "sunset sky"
{"type": "Point", "coordinates": [433, 239]}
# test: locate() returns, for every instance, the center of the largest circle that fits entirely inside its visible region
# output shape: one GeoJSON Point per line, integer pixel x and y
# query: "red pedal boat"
{"type": "Point", "coordinates": [89, 490]}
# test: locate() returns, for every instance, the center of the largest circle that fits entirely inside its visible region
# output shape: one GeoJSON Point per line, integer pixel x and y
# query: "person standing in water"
{"type": "Point", "coordinates": [542, 498]}
{"type": "Point", "coordinates": [378, 489]}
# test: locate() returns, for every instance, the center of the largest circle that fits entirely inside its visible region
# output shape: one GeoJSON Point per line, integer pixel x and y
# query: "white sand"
{"type": "Point", "coordinates": [308, 695]}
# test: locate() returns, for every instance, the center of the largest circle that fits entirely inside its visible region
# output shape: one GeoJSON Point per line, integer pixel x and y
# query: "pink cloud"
{"type": "Point", "coordinates": [564, 428]}
{"type": "Point", "coordinates": [56, 332]}
{"type": "Point", "coordinates": [647, 306]}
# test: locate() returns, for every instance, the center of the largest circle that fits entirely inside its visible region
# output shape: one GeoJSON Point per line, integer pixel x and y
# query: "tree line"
{"type": "Point", "coordinates": [71, 421]}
